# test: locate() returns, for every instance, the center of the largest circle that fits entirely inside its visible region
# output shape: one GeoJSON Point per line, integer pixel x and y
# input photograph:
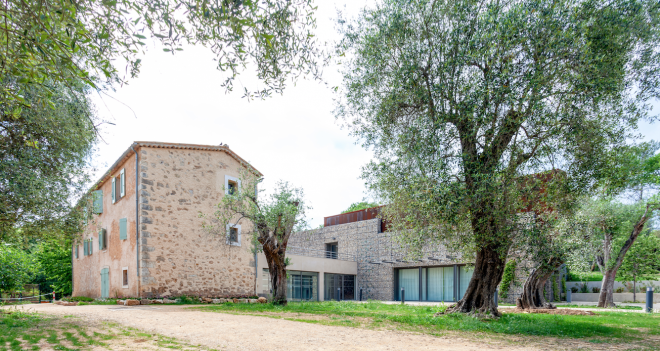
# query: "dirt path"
{"type": "Point", "coordinates": [240, 332]}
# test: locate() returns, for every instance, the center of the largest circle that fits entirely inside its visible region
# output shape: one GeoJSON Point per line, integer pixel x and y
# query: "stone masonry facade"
{"type": "Point", "coordinates": [177, 255]}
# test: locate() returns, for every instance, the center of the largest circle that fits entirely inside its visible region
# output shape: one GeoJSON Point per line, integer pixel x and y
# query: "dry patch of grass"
{"type": "Point", "coordinates": [30, 331]}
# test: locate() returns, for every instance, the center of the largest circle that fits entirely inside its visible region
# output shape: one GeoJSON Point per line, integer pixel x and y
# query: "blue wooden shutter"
{"type": "Point", "coordinates": [122, 183]}
{"type": "Point", "coordinates": [122, 229]}
{"type": "Point", "coordinates": [98, 201]}
{"type": "Point", "coordinates": [114, 187]}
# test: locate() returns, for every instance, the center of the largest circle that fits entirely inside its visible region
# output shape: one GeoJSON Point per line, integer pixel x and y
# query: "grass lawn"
{"type": "Point", "coordinates": [30, 331]}
{"type": "Point", "coordinates": [643, 330]}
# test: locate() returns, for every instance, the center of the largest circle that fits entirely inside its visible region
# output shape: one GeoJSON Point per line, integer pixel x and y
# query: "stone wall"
{"type": "Point", "coordinates": [177, 255]}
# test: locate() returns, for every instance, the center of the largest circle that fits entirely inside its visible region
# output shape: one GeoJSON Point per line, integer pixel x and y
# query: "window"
{"type": "Point", "coordinates": [123, 234]}
{"type": "Point", "coordinates": [232, 185]}
{"type": "Point", "coordinates": [87, 247]}
{"type": "Point", "coordinates": [340, 286]}
{"type": "Point", "coordinates": [118, 186]}
{"type": "Point", "coordinates": [98, 201]}
{"type": "Point", "coordinates": [77, 251]}
{"type": "Point", "coordinates": [124, 275]}
{"type": "Point", "coordinates": [234, 234]}
{"type": "Point", "coordinates": [331, 250]}
{"type": "Point", "coordinates": [103, 239]}
{"type": "Point", "coordinates": [302, 286]}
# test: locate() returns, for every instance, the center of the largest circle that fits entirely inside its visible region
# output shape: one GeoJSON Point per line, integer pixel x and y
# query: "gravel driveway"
{"type": "Point", "coordinates": [241, 332]}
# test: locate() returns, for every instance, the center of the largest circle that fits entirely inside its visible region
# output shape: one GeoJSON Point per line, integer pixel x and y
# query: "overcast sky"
{"type": "Point", "coordinates": [292, 137]}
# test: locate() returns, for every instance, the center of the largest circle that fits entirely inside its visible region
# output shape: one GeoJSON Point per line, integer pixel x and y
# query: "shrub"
{"type": "Point", "coordinates": [574, 290]}
{"type": "Point", "coordinates": [507, 278]}
{"type": "Point", "coordinates": [595, 289]}
{"type": "Point", "coordinates": [584, 288]}
{"type": "Point", "coordinates": [78, 299]}
{"type": "Point", "coordinates": [555, 289]}
{"type": "Point", "coordinates": [619, 290]}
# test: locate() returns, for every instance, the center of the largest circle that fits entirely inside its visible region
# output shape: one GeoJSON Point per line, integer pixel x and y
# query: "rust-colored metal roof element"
{"type": "Point", "coordinates": [155, 144]}
{"type": "Point", "coordinates": [355, 216]}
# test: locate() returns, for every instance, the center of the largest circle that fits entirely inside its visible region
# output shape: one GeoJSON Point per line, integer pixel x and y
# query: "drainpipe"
{"type": "Point", "coordinates": [137, 216]}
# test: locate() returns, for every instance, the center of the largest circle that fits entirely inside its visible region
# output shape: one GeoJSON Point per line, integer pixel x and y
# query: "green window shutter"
{"type": "Point", "coordinates": [122, 229]}
{"type": "Point", "coordinates": [122, 183]}
{"type": "Point", "coordinates": [98, 201]}
{"type": "Point", "coordinates": [114, 188]}
{"type": "Point", "coordinates": [91, 246]}
{"type": "Point", "coordinates": [85, 248]}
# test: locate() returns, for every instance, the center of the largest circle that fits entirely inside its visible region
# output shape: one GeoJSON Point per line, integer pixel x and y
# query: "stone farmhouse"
{"type": "Point", "coordinates": [146, 238]}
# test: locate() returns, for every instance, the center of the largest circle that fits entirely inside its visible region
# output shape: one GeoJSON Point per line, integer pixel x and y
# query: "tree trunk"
{"type": "Point", "coordinates": [533, 296]}
{"type": "Point", "coordinates": [480, 294]}
{"type": "Point", "coordinates": [277, 271]}
{"type": "Point", "coordinates": [606, 299]}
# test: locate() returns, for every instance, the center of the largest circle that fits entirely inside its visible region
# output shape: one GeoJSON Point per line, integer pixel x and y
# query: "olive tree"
{"type": "Point", "coordinates": [460, 99]}
{"type": "Point", "coordinates": [273, 219]}
{"type": "Point", "coordinates": [641, 262]}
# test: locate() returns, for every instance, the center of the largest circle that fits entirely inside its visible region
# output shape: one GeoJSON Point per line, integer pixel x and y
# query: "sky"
{"type": "Point", "coordinates": [292, 137]}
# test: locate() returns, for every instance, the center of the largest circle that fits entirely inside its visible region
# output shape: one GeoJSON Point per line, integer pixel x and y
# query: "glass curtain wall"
{"type": "Point", "coordinates": [437, 284]}
{"type": "Point", "coordinates": [302, 286]}
{"type": "Point", "coordinates": [465, 274]}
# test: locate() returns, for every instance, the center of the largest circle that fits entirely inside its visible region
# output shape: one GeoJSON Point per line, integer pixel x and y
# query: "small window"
{"type": "Point", "coordinates": [234, 234]}
{"type": "Point", "coordinates": [124, 275]}
{"type": "Point", "coordinates": [103, 239]}
{"type": "Point", "coordinates": [331, 250]}
{"type": "Point", "coordinates": [232, 185]}
{"type": "Point", "coordinates": [77, 246]}
{"type": "Point", "coordinates": [122, 183]}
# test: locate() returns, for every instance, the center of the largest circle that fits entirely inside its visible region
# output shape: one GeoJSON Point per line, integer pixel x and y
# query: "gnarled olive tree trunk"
{"type": "Point", "coordinates": [533, 296]}
{"type": "Point", "coordinates": [480, 294]}
{"type": "Point", "coordinates": [277, 270]}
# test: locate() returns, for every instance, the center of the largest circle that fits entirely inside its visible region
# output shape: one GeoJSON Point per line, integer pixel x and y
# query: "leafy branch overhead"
{"type": "Point", "coordinates": [100, 42]}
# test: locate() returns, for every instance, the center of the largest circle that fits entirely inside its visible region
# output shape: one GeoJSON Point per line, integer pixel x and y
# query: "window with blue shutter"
{"type": "Point", "coordinates": [114, 187]}
{"type": "Point", "coordinates": [122, 183]}
{"type": "Point", "coordinates": [103, 239]}
{"type": "Point", "coordinates": [98, 201]}
{"type": "Point", "coordinates": [123, 233]}
{"type": "Point", "coordinates": [84, 247]}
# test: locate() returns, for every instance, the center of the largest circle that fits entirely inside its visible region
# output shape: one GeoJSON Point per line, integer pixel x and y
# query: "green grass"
{"type": "Point", "coordinates": [591, 306]}
{"type": "Point", "coordinates": [610, 325]}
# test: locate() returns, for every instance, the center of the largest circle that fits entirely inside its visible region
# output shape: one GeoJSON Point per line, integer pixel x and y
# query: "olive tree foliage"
{"type": "Point", "coordinates": [460, 99]}
{"type": "Point", "coordinates": [272, 219]}
{"type": "Point", "coordinates": [44, 160]}
{"type": "Point", "coordinates": [100, 42]}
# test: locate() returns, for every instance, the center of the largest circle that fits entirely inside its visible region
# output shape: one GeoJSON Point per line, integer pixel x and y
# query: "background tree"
{"type": "Point", "coordinates": [54, 260]}
{"type": "Point", "coordinates": [17, 268]}
{"type": "Point", "coordinates": [613, 228]}
{"type": "Point", "coordinates": [43, 159]}
{"type": "Point", "coordinates": [641, 262]}
{"type": "Point", "coordinates": [273, 220]}
{"type": "Point", "coordinates": [356, 206]}
{"type": "Point", "coordinates": [458, 99]}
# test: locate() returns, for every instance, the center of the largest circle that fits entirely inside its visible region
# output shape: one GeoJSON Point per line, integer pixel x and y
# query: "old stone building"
{"type": "Point", "coordinates": [146, 238]}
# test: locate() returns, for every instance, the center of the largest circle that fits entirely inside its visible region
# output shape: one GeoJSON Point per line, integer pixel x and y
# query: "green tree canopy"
{"type": "Point", "coordinates": [54, 260]}
{"type": "Point", "coordinates": [43, 159]}
{"type": "Point", "coordinates": [17, 268]}
{"type": "Point", "coordinates": [460, 100]}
